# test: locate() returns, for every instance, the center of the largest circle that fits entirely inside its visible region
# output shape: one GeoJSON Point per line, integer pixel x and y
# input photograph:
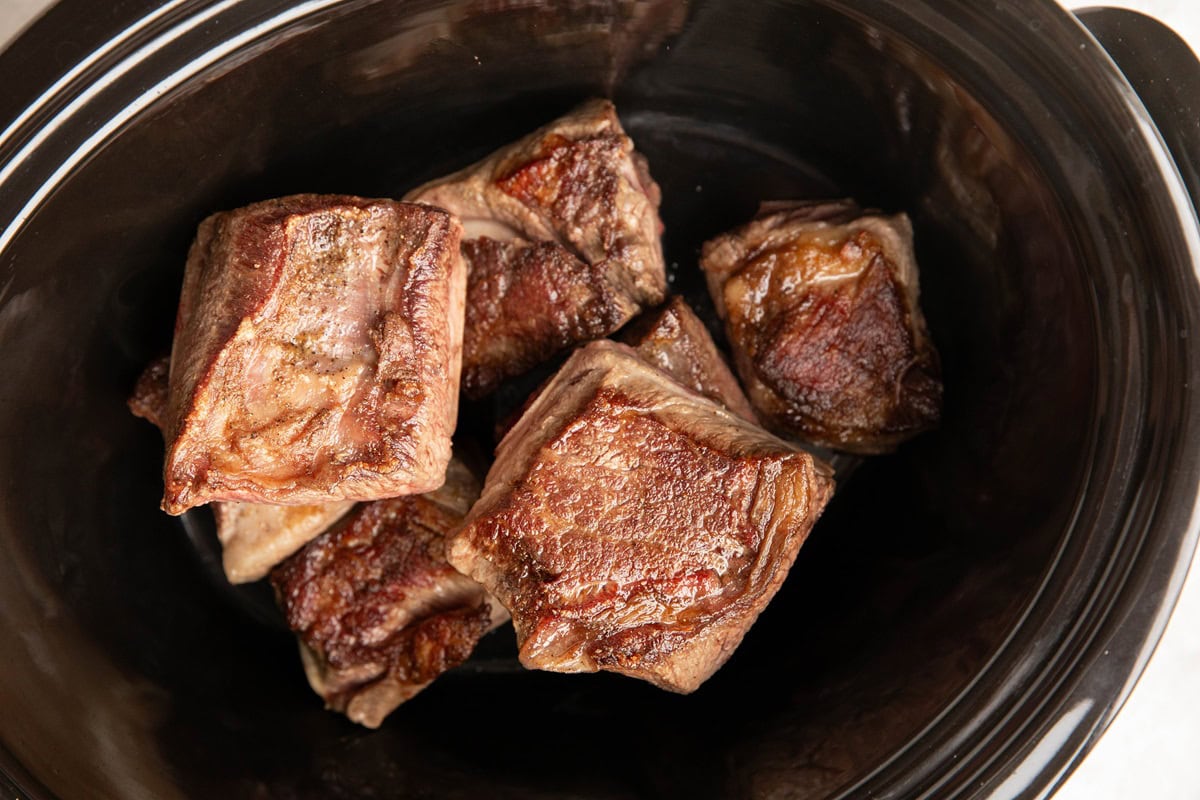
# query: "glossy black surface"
{"type": "Point", "coordinates": [1165, 74]}
{"type": "Point", "coordinates": [942, 631]}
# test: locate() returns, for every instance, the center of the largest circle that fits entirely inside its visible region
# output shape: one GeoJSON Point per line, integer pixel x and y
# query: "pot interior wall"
{"type": "Point", "coordinates": [141, 675]}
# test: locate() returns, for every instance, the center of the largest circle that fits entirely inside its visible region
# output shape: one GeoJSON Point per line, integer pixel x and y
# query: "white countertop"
{"type": "Point", "coordinates": [1152, 749]}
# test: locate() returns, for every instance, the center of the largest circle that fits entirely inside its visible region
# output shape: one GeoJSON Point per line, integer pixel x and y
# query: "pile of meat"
{"type": "Point", "coordinates": [642, 509]}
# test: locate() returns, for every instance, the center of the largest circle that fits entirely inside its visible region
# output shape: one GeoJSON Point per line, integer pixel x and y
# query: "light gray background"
{"type": "Point", "coordinates": [1152, 750]}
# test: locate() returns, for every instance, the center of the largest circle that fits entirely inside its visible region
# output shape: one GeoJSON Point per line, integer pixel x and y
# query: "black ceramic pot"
{"type": "Point", "coordinates": [970, 613]}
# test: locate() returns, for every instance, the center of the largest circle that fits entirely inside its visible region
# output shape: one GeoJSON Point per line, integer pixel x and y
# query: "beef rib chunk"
{"type": "Point", "coordinates": [317, 353]}
{"type": "Point", "coordinates": [378, 611]}
{"type": "Point", "coordinates": [632, 525]}
{"type": "Point", "coordinates": [254, 536]}
{"type": "Point", "coordinates": [820, 303]}
{"type": "Point", "coordinates": [528, 302]}
{"type": "Point", "coordinates": [674, 339]}
{"type": "Point", "coordinates": [561, 234]}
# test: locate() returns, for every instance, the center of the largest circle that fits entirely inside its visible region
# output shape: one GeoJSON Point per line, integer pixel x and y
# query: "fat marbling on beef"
{"type": "Point", "coordinates": [378, 612]}
{"type": "Point", "coordinates": [561, 238]}
{"type": "Point", "coordinates": [820, 303]}
{"type": "Point", "coordinates": [632, 525]}
{"type": "Point", "coordinates": [316, 355]}
{"type": "Point", "coordinates": [254, 536]}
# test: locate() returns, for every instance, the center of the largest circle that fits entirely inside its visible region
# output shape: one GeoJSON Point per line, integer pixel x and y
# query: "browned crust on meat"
{"type": "Point", "coordinates": [342, 587]}
{"type": "Point", "coordinates": [526, 302]}
{"type": "Point", "coordinates": [633, 526]}
{"type": "Point", "coordinates": [578, 184]}
{"type": "Point", "coordinates": [378, 610]}
{"type": "Point", "coordinates": [821, 307]}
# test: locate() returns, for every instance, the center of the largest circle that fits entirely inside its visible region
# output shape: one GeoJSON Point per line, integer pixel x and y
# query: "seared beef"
{"type": "Point", "coordinates": [254, 536]}
{"type": "Point", "coordinates": [562, 242]}
{"type": "Point", "coordinates": [527, 302]}
{"type": "Point", "coordinates": [674, 339]}
{"type": "Point", "coordinates": [378, 611]}
{"type": "Point", "coordinates": [632, 525]}
{"type": "Point", "coordinates": [820, 303]}
{"type": "Point", "coordinates": [316, 355]}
